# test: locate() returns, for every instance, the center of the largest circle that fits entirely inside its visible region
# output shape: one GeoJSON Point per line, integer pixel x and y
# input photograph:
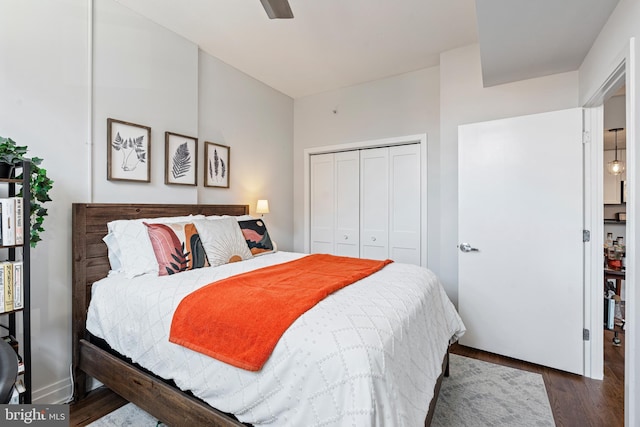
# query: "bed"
{"type": "Point", "coordinates": [157, 387]}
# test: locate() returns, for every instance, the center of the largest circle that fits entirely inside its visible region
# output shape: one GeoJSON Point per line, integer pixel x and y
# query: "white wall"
{"type": "Point", "coordinates": [43, 82]}
{"type": "Point", "coordinates": [406, 104]}
{"type": "Point", "coordinates": [148, 75]}
{"type": "Point", "coordinates": [612, 42]}
{"type": "Point", "coordinates": [145, 74]}
{"type": "Point", "coordinates": [464, 100]}
{"type": "Point", "coordinates": [256, 122]}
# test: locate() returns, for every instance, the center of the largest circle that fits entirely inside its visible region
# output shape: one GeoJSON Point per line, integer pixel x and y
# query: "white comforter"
{"type": "Point", "coordinates": [367, 355]}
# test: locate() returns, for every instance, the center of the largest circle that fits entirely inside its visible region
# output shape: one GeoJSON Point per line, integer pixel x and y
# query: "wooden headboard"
{"type": "Point", "coordinates": [90, 258]}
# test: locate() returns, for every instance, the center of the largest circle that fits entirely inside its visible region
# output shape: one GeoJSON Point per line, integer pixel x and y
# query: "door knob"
{"type": "Point", "coordinates": [466, 247]}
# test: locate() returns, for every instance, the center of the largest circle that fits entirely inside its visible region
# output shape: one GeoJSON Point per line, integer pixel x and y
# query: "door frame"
{"type": "Point", "coordinates": [622, 71]}
{"type": "Point", "coordinates": [375, 143]}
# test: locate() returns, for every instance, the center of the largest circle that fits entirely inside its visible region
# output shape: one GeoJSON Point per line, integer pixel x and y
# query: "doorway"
{"type": "Point", "coordinates": [621, 74]}
{"type": "Point", "coordinates": [615, 236]}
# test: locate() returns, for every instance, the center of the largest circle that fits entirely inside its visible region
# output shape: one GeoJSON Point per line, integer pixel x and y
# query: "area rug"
{"type": "Point", "coordinates": [479, 393]}
{"type": "Point", "coordinates": [475, 394]}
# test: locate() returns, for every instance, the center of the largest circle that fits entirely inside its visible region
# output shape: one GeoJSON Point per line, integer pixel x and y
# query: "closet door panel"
{"type": "Point", "coordinates": [404, 204]}
{"type": "Point", "coordinates": [374, 203]}
{"type": "Point", "coordinates": [322, 202]}
{"type": "Point", "coordinates": [347, 211]}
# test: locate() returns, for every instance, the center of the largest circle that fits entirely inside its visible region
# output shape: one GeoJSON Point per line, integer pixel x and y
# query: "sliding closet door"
{"type": "Point", "coordinates": [347, 204]}
{"type": "Point", "coordinates": [322, 203]}
{"type": "Point", "coordinates": [404, 203]}
{"type": "Point", "coordinates": [374, 203]}
{"type": "Point", "coordinates": [366, 203]}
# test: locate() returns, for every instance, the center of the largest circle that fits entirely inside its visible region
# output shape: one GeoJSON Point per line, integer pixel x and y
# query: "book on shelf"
{"type": "Point", "coordinates": [7, 277]}
{"type": "Point", "coordinates": [8, 206]}
{"type": "Point", "coordinates": [11, 286]}
{"type": "Point", "coordinates": [17, 285]}
{"type": "Point", "coordinates": [19, 220]}
{"type": "Point", "coordinates": [2, 310]}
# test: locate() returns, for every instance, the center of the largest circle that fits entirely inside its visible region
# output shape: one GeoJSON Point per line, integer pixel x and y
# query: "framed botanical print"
{"type": "Point", "coordinates": [180, 159]}
{"type": "Point", "coordinates": [128, 151]}
{"type": "Point", "coordinates": [217, 165]}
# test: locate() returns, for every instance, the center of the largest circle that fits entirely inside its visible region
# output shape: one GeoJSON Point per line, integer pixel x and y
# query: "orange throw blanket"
{"type": "Point", "coordinates": [239, 320]}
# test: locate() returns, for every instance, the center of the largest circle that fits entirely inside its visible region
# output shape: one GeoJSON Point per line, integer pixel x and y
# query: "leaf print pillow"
{"type": "Point", "coordinates": [177, 247]}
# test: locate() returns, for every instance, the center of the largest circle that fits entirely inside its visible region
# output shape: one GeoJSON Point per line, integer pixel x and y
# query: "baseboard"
{"type": "Point", "coordinates": [56, 393]}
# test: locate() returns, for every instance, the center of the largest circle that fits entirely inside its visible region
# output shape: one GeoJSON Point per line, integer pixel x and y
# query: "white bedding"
{"type": "Point", "coordinates": [367, 355]}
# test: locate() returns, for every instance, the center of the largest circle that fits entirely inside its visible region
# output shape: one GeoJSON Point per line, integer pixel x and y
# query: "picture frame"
{"type": "Point", "coordinates": [128, 151]}
{"type": "Point", "coordinates": [217, 165]}
{"type": "Point", "coordinates": [181, 159]}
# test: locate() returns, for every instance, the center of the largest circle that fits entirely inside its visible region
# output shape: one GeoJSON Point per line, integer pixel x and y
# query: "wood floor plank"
{"type": "Point", "coordinates": [97, 404]}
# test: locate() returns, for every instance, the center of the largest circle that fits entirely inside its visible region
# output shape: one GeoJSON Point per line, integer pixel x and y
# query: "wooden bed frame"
{"type": "Point", "coordinates": [151, 393]}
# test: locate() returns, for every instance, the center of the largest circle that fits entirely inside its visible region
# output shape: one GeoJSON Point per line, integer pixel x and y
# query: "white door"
{"type": "Point", "coordinates": [347, 204]}
{"type": "Point", "coordinates": [404, 203]}
{"type": "Point", "coordinates": [520, 206]}
{"type": "Point", "coordinates": [374, 203]}
{"type": "Point", "coordinates": [322, 197]}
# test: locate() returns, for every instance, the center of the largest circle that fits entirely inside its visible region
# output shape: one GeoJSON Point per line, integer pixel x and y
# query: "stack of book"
{"type": "Point", "coordinates": [11, 215]}
{"type": "Point", "coordinates": [11, 292]}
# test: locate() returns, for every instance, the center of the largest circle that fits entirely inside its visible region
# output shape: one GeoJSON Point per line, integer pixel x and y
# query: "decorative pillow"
{"type": "Point", "coordinates": [222, 240]}
{"type": "Point", "coordinates": [136, 254]}
{"type": "Point", "coordinates": [257, 237]}
{"type": "Point", "coordinates": [177, 247]}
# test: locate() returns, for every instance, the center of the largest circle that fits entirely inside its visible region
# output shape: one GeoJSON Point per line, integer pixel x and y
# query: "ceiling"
{"type": "Point", "coordinates": [522, 39]}
{"type": "Point", "coordinates": [337, 43]}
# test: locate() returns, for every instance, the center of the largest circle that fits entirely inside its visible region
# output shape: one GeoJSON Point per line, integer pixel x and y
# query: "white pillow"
{"type": "Point", "coordinates": [222, 240]}
{"type": "Point", "coordinates": [133, 248]}
{"type": "Point", "coordinates": [238, 218]}
{"type": "Point", "coordinates": [113, 252]}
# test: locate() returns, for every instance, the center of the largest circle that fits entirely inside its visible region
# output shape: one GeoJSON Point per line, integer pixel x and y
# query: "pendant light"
{"type": "Point", "coordinates": [615, 167]}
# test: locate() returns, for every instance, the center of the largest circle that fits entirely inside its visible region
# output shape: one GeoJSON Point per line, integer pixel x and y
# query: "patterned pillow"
{"type": "Point", "coordinates": [129, 245]}
{"type": "Point", "coordinates": [222, 240]}
{"type": "Point", "coordinates": [257, 237]}
{"type": "Point", "coordinates": [177, 247]}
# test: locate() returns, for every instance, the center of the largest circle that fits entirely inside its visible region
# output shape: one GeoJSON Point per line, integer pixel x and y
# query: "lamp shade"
{"type": "Point", "coordinates": [262, 207]}
{"type": "Point", "coordinates": [615, 167]}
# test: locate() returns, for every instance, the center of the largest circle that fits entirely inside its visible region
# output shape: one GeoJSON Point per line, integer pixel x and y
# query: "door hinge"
{"type": "Point", "coordinates": [586, 235]}
{"type": "Point", "coordinates": [586, 137]}
{"type": "Point", "coordinates": [585, 334]}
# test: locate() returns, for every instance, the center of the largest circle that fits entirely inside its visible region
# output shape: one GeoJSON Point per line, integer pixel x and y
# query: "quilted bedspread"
{"type": "Point", "coordinates": [367, 355]}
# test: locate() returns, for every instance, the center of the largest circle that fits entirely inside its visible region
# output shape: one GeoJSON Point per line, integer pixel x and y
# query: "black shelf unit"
{"type": "Point", "coordinates": [24, 340]}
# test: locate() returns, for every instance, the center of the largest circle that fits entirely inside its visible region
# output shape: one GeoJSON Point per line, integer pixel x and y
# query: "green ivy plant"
{"type": "Point", "coordinates": [40, 184]}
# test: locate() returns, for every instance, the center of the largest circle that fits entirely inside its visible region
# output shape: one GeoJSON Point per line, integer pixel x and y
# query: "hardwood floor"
{"type": "Point", "coordinates": [575, 400]}
{"type": "Point", "coordinates": [98, 403]}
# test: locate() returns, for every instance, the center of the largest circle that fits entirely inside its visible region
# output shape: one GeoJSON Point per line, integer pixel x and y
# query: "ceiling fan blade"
{"type": "Point", "coordinates": [277, 9]}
